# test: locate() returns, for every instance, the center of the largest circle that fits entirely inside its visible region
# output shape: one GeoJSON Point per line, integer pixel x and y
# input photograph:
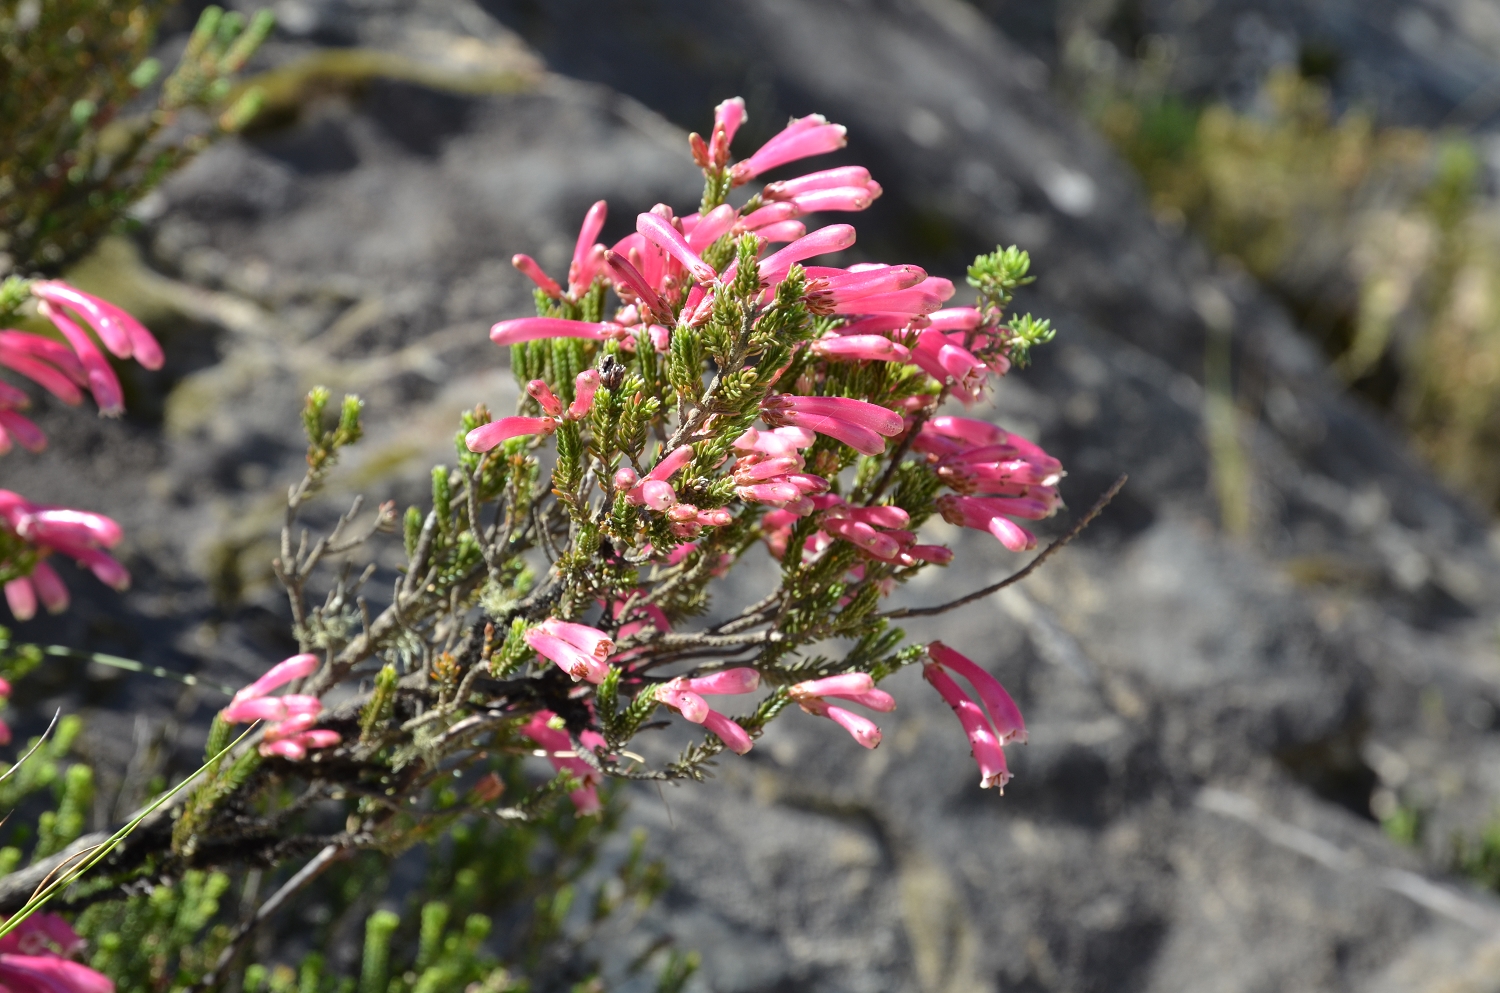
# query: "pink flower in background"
{"type": "Point", "coordinates": [666, 237]}
{"type": "Point", "coordinates": [588, 255]}
{"type": "Point", "coordinates": [488, 436]}
{"type": "Point", "coordinates": [122, 334]}
{"type": "Point", "coordinates": [291, 733]}
{"type": "Point", "coordinates": [559, 748]}
{"type": "Point", "coordinates": [803, 137]}
{"type": "Point", "coordinates": [984, 743]}
{"type": "Point", "coordinates": [686, 697]}
{"type": "Point", "coordinates": [79, 534]}
{"type": "Point", "coordinates": [534, 328]}
{"type": "Point", "coordinates": [36, 958]}
{"type": "Point", "coordinates": [1005, 716]}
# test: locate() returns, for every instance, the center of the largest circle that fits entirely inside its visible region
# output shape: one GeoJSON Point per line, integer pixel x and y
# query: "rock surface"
{"type": "Point", "coordinates": [1280, 618]}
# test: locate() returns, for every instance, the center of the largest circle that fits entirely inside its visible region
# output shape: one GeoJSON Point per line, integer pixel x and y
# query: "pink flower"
{"type": "Point", "coordinates": [956, 319]}
{"type": "Point", "coordinates": [534, 328]}
{"type": "Point", "coordinates": [988, 514]}
{"type": "Point", "coordinates": [533, 272]}
{"type": "Point", "coordinates": [942, 358]}
{"type": "Point", "coordinates": [34, 959]}
{"type": "Point", "coordinates": [666, 237]}
{"type": "Point", "coordinates": [102, 381]}
{"type": "Point", "coordinates": [283, 672]}
{"type": "Point", "coordinates": [559, 748]}
{"type": "Point", "coordinates": [577, 649]}
{"type": "Point", "coordinates": [728, 116]}
{"type": "Point", "coordinates": [585, 385]}
{"type": "Point", "coordinates": [122, 334]}
{"type": "Point", "coordinates": [781, 232]}
{"type": "Point", "coordinates": [860, 425]}
{"type": "Point", "coordinates": [1004, 715]}
{"type": "Point", "coordinates": [730, 682]}
{"type": "Point", "coordinates": [539, 391]}
{"type": "Point", "coordinates": [588, 257]}
{"type": "Point", "coordinates": [78, 534]}
{"type": "Point", "coordinates": [487, 436]}
{"type": "Point", "coordinates": [828, 179]}
{"type": "Point", "coordinates": [984, 742]}
{"type": "Point", "coordinates": [778, 442]}
{"type": "Point", "coordinates": [731, 734]}
{"type": "Point", "coordinates": [861, 348]}
{"type": "Point", "coordinates": [631, 280]}
{"type": "Point", "coordinates": [713, 226]}
{"type": "Point", "coordinates": [22, 429]}
{"type": "Point", "coordinates": [842, 198]}
{"type": "Point", "coordinates": [50, 364]}
{"type": "Point", "coordinates": [804, 137]}
{"type": "Point", "coordinates": [292, 733]}
{"type": "Point", "coordinates": [858, 687]}
{"type": "Point", "coordinates": [833, 238]}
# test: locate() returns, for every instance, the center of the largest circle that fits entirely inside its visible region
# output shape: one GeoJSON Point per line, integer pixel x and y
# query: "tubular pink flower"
{"type": "Point", "coordinates": [833, 238]}
{"type": "Point", "coordinates": [487, 436]}
{"type": "Point", "coordinates": [21, 598]}
{"type": "Point", "coordinates": [730, 682]}
{"type": "Point", "coordinates": [782, 231]}
{"type": "Point", "coordinates": [539, 391]}
{"type": "Point", "coordinates": [827, 179]}
{"type": "Point", "coordinates": [49, 588]}
{"type": "Point", "coordinates": [535, 328]}
{"type": "Point", "coordinates": [671, 463]}
{"type": "Point", "coordinates": [102, 381]}
{"type": "Point", "coordinates": [713, 226]}
{"type": "Point", "coordinates": [48, 363]}
{"type": "Point", "coordinates": [568, 658]}
{"type": "Point", "coordinates": [1004, 714]}
{"type": "Point", "coordinates": [936, 554]}
{"type": "Point", "coordinates": [657, 494]}
{"type": "Point", "coordinates": [749, 470]}
{"type": "Point", "coordinates": [861, 729]}
{"type": "Point", "coordinates": [122, 334]}
{"type": "Point", "coordinates": [50, 974]}
{"type": "Point", "coordinates": [626, 273]}
{"type": "Point", "coordinates": [965, 429]}
{"type": "Point", "coordinates": [42, 934]}
{"type": "Point", "coordinates": [54, 525]}
{"type": "Point", "coordinates": [105, 567]}
{"type": "Point", "coordinates": [983, 741]}
{"type": "Point", "coordinates": [840, 685]}
{"type": "Point", "coordinates": [585, 385]}
{"type": "Point", "coordinates": [843, 198]}
{"type": "Point", "coordinates": [291, 727]}
{"type": "Point", "coordinates": [26, 433]}
{"type": "Point", "coordinates": [589, 640]}
{"type": "Point", "coordinates": [666, 237]}
{"type": "Point", "coordinates": [808, 136]}
{"type": "Point", "coordinates": [878, 544]}
{"type": "Point", "coordinates": [270, 708]}
{"type": "Point", "coordinates": [533, 272]}
{"type": "Point", "coordinates": [283, 672]}
{"type": "Point", "coordinates": [728, 116]}
{"type": "Point", "coordinates": [861, 348]}
{"type": "Point", "coordinates": [771, 213]}
{"type": "Point", "coordinates": [778, 442]}
{"type": "Point", "coordinates": [956, 319]}
{"type": "Point", "coordinates": [587, 258]}
{"type": "Point", "coordinates": [860, 425]}
{"type": "Point", "coordinates": [881, 324]}
{"type": "Point", "coordinates": [690, 705]}
{"type": "Point", "coordinates": [287, 748]}
{"type": "Point", "coordinates": [731, 734]}
{"type": "Point", "coordinates": [776, 492]}
{"type": "Point", "coordinates": [918, 300]}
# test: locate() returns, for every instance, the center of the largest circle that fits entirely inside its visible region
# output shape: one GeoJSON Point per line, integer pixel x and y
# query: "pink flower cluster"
{"type": "Point", "coordinates": [559, 748]}
{"type": "Point", "coordinates": [997, 476]}
{"type": "Point", "coordinates": [656, 492]}
{"type": "Point", "coordinates": [78, 534]}
{"type": "Point", "coordinates": [292, 733]}
{"type": "Point", "coordinates": [577, 649]}
{"type": "Point", "coordinates": [65, 370]}
{"type": "Point", "coordinates": [856, 687]}
{"type": "Point", "coordinates": [989, 728]}
{"type": "Point", "coordinates": [37, 958]}
{"type": "Point", "coordinates": [686, 697]}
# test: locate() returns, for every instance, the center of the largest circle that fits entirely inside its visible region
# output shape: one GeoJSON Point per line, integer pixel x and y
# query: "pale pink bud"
{"type": "Point", "coordinates": [585, 385]}
{"type": "Point", "coordinates": [657, 494]}
{"type": "Point", "coordinates": [683, 513]}
{"type": "Point", "coordinates": [716, 518]}
{"type": "Point", "coordinates": [539, 391]}
{"type": "Point", "coordinates": [533, 272]}
{"type": "Point", "coordinates": [287, 748]}
{"type": "Point", "coordinates": [487, 436]}
{"type": "Point", "coordinates": [535, 328]}
{"type": "Point", "coordinates": [290, 727]}
{"type": "Point", "coordinates": [661, 336]}
{"type": "Point", "coordinates": [731, 734]}
{"type": "Point", "coordinates": [670, 240]}
{"type": "Point", "coordinates": [626, 478]}
{"type": "Point", "coordinates": [321, 738]}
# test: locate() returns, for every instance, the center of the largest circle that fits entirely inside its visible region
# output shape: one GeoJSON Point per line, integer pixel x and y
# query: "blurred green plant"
{"type": "Point", "coordinates": [1377, 238]}
{"type": "Point", "coordinates": [85, 127]}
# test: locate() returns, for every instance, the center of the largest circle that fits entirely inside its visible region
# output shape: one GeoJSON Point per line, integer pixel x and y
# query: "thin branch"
{"type": "Point", "coordinates": [1027, 570]}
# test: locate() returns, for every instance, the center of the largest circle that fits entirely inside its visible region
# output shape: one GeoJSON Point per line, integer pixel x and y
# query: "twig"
{"type": "Point", "coordinates": [315, 867]}
{"type": "Point", "coordinates": [1027, 570]}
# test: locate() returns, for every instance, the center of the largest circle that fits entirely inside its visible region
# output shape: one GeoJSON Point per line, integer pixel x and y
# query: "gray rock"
{"type": "Point", "coordinates": [1211, 707]}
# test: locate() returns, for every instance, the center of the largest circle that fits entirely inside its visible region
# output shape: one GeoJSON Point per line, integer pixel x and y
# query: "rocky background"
{"type": "Point", "coordinates": [1282, 632]}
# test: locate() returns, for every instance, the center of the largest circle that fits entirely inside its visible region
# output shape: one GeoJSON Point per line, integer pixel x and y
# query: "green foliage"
{"type": "Point", "coordinates": [76, 156]}
{"type": "Point", "coordinates": [1479, 859]}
